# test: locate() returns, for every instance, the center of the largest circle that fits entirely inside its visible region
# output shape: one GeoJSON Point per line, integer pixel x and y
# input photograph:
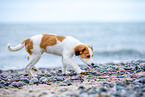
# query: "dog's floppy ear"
{"type": "Point", "coordinates": [91, 47]}
{"type": "Point", "coordinates": [79, 49]}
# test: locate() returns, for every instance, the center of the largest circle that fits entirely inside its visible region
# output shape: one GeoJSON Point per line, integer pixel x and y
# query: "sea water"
{"type": "Point", "coordinates": [111, 42]}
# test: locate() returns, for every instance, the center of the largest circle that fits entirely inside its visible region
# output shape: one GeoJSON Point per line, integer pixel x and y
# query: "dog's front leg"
{"type": "Point", "coordinates": [64, 70]}
{"type": "Point", "coordinates": [70, 62]}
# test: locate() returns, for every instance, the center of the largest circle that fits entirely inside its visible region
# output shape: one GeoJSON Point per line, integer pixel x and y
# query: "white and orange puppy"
{"type": "Point", "coordinates": [65, 46]}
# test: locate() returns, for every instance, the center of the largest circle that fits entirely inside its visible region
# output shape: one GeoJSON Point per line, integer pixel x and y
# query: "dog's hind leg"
{"type": "Point", "coordinates": [34, 68]}
{"type": "Point", "coordinates": [32, 61]}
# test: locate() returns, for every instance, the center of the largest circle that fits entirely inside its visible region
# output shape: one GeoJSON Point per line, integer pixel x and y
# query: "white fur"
{"type": "Point", "coordinates": [64, 49]}
{"type": "Point", "coordinates": [14, 49]}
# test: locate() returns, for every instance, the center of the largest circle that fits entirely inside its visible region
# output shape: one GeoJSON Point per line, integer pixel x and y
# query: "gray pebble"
{"type": "Point", "coordinates": [34, 81]}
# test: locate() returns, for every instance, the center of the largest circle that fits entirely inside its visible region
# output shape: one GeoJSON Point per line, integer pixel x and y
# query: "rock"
{"type": "Point", "coordinates": [120, 76]}
{"type": "Point", "coordinates": [48, 74]}
{"type": "Point", "coordinates": [63, 84]}
{"type": "Point", "coordinates": [103, 89]}
{"type": "Point", "coordinates": [34, 81]}
{"type": "Point", "coordinates": [127, 68]}
{"type": "Point", "coordinates": [119, 83]}
{"type": "Point", "coordinates": [7, 83]}
{"type": "Point", "coordinates": [63, 90]}
{"type": "Point", "coordinates": [59, 71]}
{"type": "Point", "coordinates": [137, 67]}
{"type": "Point", "coordinates": [14, 84]}
{"type": "Point", "coordinates": [53, 73]}
{"type": "Point", "coordinates": [19, 84]}
{"type": "Point", "coordinates": [74, 95]}
{"type": "Point", "coordinates": [59, 78]}
{"type": "Point", "coordinates": [2, 82]}
{"type": "Point", "coordinates": [26, 74]}
{"type": "Point", "coordinates": [134, 76]}
{"type": "Point", "coordinates": [81, 87]}
{"type": "Point", "coordinates": [1, 86]}
{"type": "Point", "coordinates": [9, 77]}
{"type": "Point", "coordinates": [139, 70]}
{"type": "Point", "coordinates": [43, 79]}
{"type": "Point", "coordinates": [30, 91]}
{"type": "Point", "coordinates": [69, 83]}
{"type": "Point", "coordinates": [44, 93]}
{"type": "Point", "coordinates": [25, 80]}
{"type": "Point", "coordinates": [49, 83]}
{"type": "Point", "coordinates": [121, 70]}
{"type": "Point", "coordinates": [143, 80]}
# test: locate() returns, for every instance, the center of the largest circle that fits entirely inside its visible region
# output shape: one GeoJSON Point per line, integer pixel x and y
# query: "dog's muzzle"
{"type": "Point", "coordinates": [92, 64]}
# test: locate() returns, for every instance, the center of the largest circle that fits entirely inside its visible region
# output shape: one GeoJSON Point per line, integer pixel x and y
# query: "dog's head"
{"type": "Point", "coordinates": [85, 52]}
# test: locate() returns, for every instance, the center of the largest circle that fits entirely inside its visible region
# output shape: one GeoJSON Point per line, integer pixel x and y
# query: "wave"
{"type": "Point", "coordinates": [120, 53]}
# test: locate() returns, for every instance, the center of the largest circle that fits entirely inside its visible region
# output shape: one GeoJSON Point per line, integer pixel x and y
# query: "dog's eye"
{"type": "Point", "coordinates": [88, 56]}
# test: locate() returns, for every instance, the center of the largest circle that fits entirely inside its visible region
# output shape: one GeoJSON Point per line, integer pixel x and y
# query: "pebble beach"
{"type": "Point", "coordinates": [101, 80]}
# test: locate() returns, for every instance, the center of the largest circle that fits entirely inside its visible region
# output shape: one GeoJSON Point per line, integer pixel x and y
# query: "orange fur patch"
{"type": "Point", "coordinates": [28, 45]}
{"type": "Point", "coordinates": [48, 40]}
{"type": "Point", "coordinates": [83, 50]}
{"type": "Point", "coordinates": [60, 37]}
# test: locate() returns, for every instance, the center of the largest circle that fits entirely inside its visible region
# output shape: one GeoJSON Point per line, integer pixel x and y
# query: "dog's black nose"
{"type": "Point", "coordinates": [92, 64]}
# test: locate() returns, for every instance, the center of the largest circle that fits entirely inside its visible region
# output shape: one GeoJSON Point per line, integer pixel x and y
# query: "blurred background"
{"type": "Point", "coordinates": [115, 28]}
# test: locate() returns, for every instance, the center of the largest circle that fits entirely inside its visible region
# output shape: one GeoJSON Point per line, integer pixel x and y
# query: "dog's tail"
{"type": "Point", "coordinates": [17, 48]}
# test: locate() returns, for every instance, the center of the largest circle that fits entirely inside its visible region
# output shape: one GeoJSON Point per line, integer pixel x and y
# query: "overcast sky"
{"type": "Point", "coordinates": [71, 10]}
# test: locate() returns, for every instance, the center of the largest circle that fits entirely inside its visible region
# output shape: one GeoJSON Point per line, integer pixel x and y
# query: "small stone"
{"type": "Point", "coordinates": [19, 84]}
{"type": "Point", "coordinates": [1, 86]}
{"type": "Point", "coordinates": [7, 83]}
{"type": "Point", "coordinates": [14, 84]}
{"type": "Point", "coordinates": [121, 70]}
{"type": "Point", "coordinates": [131, 71]}
{"type": "Point", "coordinates": [2, 82]}
{"type": "Point", "coordinates": [40, 74]}
{"type": "Point", "coordinates": [139, 70]}
{"type": "Point", "coordinates": [59, 71]}
{"type": "Point", "coordinates": [53, 73]}
{"type": "Point", "coordinates": [127, 68]}
{"type": "Point", "coordinates": [63, 84]}
{"type": "Point", "coordinates": [42, 79]}
{"type": "Point", "coordinates": [48, 74]}
{"type": "Point", "coordinates": [26, 74]}
{"type": "Point", "coordinates": [30, 91]}
{"type": "Point", "coordinates": [119, 83]}
{"type": "Point", "coordinates": [137, 67]}
{"type": "Point", "coordinates": [133, 76]}
{"type": "Point", "coordinates": [34, 81]}
{"type": "Point", "coordinates": [81, 87]}
{"type": "Point", "coordinates": [44, 93]}
{"type": "Point", "coordinates": [25, 80]}
{"type": "Point", "coordinates": [9, 77]}
{"type": "Point", "coordinates": [69, 83]}
{"type": "Point", "coordinates": [59, 78]}
{"type": "Point", "coordinates": [120, 76]}
{"type": "Point", "coordinates": [49, 83]}
{"type": "Point", "coordinates": [74, 95]}
{"type": "Point", "coordinates": [95, 66]}
{"type": "Point", "coordinates": [63, 90]}
{"type": "Point", "coordinates": [103, 89]}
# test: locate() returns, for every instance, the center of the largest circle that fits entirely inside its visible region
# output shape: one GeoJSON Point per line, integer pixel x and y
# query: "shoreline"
{"type": "Point", "coordinates": [111, 79]}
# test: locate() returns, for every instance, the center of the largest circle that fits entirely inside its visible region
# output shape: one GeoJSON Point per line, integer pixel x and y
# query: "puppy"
{"type": "Point", "coordinates": [65, 46]}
